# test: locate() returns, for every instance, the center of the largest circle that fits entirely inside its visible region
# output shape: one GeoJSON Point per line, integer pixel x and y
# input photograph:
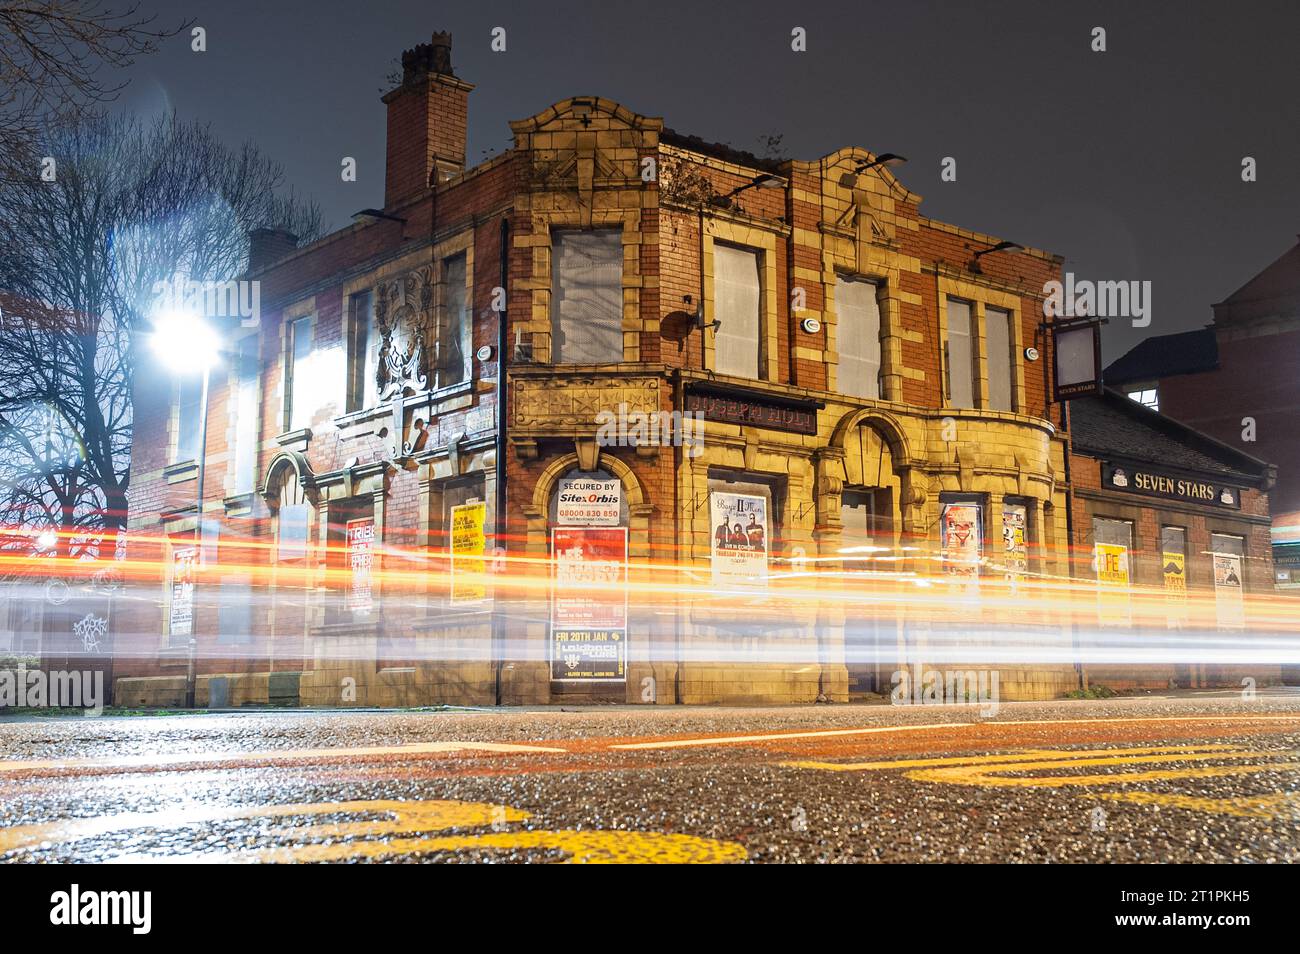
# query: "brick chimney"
{"type": "Point", "coordinates": [267, 246]}
{"type": "Point", "coordinates": [428, 116]}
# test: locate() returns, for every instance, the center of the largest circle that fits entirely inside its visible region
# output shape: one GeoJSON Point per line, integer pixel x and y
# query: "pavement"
{"type": "Point", "coordinates": [1189, 777]}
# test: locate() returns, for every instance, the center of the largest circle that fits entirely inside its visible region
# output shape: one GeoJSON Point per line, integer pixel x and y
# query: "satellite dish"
{"type": "Point", "coordinates": [677, 326]}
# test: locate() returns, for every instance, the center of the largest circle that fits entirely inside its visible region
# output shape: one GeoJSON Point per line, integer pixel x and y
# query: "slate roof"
{"type": "Point", "coordinates": [1163, 356]}
{"type": "Point", "coordinates": [1114, 425]}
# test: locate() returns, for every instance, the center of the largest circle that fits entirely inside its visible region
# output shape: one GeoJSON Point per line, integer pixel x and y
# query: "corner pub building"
{"type": "Point", "coordinates": [862, 379]}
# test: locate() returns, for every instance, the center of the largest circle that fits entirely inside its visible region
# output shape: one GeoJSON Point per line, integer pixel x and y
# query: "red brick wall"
{"type": "Point", "coordinates": [425, 122]}
{"type": "Point", "coordinates": [1148, 517]}
{"type": "Point", "coordinates": [1256, 378]}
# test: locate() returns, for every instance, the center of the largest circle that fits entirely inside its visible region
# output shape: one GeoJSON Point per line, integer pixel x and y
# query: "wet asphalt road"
{"type": "Point", "coordinates": [1193, 778]}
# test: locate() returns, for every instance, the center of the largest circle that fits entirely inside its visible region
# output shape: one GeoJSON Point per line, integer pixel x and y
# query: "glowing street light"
{"type": "Point", "coordinates": [186, 343]}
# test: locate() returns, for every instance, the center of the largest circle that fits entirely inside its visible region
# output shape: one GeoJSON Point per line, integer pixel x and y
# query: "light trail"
{"type": "Point", "coordinates": [822, 609]}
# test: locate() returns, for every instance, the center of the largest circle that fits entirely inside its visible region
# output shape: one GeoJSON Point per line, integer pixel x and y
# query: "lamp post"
{"type": "Point", "coordinates": [186, 343]}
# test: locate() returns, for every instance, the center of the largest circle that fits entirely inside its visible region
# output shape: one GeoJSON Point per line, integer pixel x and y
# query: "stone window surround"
{"type": "Point", "coordinates": [764, 242]}
{"type": "Point", "coordinates": [538, 324]}
{"type": "Point", "coordinates": [980, 297]}
{"type": "Point", "coordinates": [889, 376]}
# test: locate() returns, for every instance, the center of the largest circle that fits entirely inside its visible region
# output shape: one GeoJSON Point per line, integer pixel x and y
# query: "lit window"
{"type": "Point", "coordinates": [189, 419]}
{"type": "Point", "coordinates": [244, 404]}
{"type": "Point", "coordinates": [301, 400]}
{"type": "Point", "coordinates": [1148, 397]}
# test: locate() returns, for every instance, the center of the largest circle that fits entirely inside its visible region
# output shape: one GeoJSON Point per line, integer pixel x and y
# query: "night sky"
{"type": "Point", "coordinates": [1127, 163]}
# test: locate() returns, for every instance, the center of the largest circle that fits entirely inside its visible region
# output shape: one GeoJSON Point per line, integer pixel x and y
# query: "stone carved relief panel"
{"type": "Point", "coordinates": [576, 401]}
{"type": "Point", "coordinates": [403, 317]}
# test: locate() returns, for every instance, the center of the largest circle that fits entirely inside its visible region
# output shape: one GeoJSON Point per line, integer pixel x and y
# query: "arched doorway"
{"type": "Point", "coordinates": [592, 524]}
{"type": "Point", "coordinates": [872, 548]}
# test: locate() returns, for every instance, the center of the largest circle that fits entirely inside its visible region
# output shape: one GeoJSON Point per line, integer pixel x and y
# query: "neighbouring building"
{"type": "Point", "coordinates": [1176, 525]}
{"type": "Point", "coordinates": [715, 367]}
{"type": "Point", "coordinates": [1236, 380]}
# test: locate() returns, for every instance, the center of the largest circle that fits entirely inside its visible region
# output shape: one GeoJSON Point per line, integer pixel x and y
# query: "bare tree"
{"type": "Point", "coordinates": [131, 206]}
{"type": "Point", "coordinates": [53, 54]}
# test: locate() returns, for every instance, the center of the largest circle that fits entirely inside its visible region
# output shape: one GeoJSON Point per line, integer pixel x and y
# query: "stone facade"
{"type": "Point", "coordinates": [425, 443]}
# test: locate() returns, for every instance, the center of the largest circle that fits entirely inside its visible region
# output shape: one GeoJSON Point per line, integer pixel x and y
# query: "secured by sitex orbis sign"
{"type": "Point", "coordinates": [589, 502]}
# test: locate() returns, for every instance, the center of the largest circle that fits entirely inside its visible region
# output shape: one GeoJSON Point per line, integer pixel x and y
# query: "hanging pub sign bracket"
{"type": "Point", "coordinates": [1076, 357]}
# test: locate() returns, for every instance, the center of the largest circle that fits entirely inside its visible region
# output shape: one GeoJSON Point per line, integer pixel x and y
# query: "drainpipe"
{"type": "Point", "coordinates": [1069, 542]}
{"type": "Point", "coordinates": [679, 404]}
{"type": "Point", "coordinates": [500, 523]}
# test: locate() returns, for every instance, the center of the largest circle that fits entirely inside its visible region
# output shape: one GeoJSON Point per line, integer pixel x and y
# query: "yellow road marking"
{"type": "Point", "coordinates": [991, 775]}
{"type": "Point", "coordinates": [991, 771]}
{"type": "Point", "coordinates": [372, 838]}
{"type": "Point", "coordinates": [1262, 806]}
{"type": "Point", "coordinates": [1019, 756]}
{"type": "Point", "coordinates": [268, 755]}
{"type": "Point", "coordinates": [579, 847]}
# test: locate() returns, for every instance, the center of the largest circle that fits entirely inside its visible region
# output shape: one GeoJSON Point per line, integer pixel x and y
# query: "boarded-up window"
{"type": "Point", "coordinates": [997, 331]}
{"type": "Point", "coordinates": [736, 292]}
{"type": "Point", "coordinates": [454, 333]}
{"type": "Point", "coordinates": [858, 338]}
{"type": "Point", "coordinates": [958, 355]}
{"type": "Point", "coordinates": [587, 297]}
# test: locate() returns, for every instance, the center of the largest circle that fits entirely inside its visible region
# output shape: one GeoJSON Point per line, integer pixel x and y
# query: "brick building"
{"type": "Point", "coordinates": [1235, 380]}
{"type": "Point", "coordinates": [1176, 526]}
{"type": "Point", "coordinates": [864, 381]}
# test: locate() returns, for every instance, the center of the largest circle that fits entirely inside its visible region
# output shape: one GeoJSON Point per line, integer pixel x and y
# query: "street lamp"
{"type": "Point", "coordinates": [1003, 246]}
{"type": "Point", "coordinates": [765, 181]}
{"type": "Point", "coordinates": [887, 159]}
{"type": "Point", "coordinates": [187, 344]}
